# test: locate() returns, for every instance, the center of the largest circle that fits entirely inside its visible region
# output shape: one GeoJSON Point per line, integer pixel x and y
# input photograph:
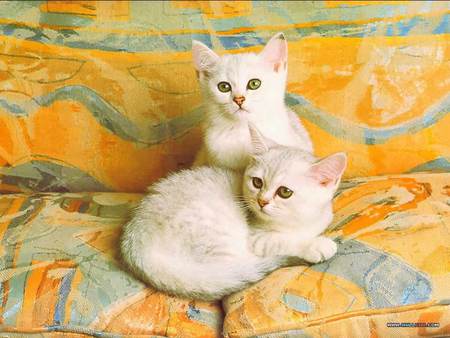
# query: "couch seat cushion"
{"type": "Point", "coordinates": [392, 265]}
{"type": "Point", "coordinates": [60, 274]}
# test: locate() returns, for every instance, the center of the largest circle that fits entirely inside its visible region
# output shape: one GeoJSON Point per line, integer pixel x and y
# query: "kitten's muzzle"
{"type": "Point", "coordinates": [239, 100]}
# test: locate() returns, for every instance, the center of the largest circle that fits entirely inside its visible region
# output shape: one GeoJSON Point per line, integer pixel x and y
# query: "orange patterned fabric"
{"type": "Point", "coordinates": [60, 272]}
{"type": "Point", "coordinates": [102, 95]}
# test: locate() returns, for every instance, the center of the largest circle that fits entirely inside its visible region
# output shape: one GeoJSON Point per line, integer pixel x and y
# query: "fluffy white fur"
{"type": "Point", "coordinates": [191, 236]}
{"type": "Point", "coordinates": [226, 136]}
{"type": "Point", "coordinates": [291, 226]}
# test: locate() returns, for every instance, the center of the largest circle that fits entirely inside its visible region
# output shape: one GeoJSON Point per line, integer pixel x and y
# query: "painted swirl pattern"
{"type": "Point", "coordinates": [106, 91]}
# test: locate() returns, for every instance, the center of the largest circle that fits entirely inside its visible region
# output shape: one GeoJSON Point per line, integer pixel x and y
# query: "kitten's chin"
{"type": "Point", "coordinates": [238, 112]}
{"type": "Point", "coordinates": [241, 114]}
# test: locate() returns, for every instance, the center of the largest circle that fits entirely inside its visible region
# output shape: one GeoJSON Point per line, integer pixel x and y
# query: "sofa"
{"type": "Point", "coordinates": [98, 99]}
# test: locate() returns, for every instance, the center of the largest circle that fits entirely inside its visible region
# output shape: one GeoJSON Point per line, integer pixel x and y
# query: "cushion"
{"type": "Point", "coordinates": [60, 272]}
{"type": "Point", "coordinates": [392, 268]}
{"type": "Point", "coordinates": [90, 91]}
{"type": "Point", "coordinates": [60, 275]}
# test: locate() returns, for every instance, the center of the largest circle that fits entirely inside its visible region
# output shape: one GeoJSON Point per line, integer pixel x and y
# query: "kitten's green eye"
{"type": "Point", "coordinates": [253, 84]}
{"type": "Point", "coordinates": [257, 182]}
{"type": "Point", "coordinates": [284, 192]}
{"type": "Point", "coordinates": [224, 87]}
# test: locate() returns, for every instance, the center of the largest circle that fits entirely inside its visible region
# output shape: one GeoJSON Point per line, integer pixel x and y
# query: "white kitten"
{"type": "Point", "coordinates": [191, 237]}
{"type": "Point", "coordinates": [242, 88]}
{"type": "Point", "coordinates": [290, 197]}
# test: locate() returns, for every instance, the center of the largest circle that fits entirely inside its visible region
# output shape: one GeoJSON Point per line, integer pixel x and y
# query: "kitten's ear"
{"type": "Point", "coordinates": [204, 57]}
{"type": "Point", "coordinates": [260, 144]}
{"type": "Point", "coordinates": [328, 171]}
{"type": "Point", "coordinates": [275, 52]}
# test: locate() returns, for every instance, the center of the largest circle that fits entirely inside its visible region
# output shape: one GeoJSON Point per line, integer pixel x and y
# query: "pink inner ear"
{"type": "Point", "coordinates": [329, 170]}
{"type": "Point", "coordinates": [275, 53]}
{"type": "Point", "coordinates": [277, 66]}
{"type": "Point", "coordinates": [204, 58]}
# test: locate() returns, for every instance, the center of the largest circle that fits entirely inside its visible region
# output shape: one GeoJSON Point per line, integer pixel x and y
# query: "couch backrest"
{"type": "Point", "coordinates": [103, 95]}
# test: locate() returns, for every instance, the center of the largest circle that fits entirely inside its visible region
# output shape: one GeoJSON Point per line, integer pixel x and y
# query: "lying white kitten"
{"type": "Point", "coordinates": [242, 88]}
{"type": "Point", "coordinates": [289, 195]}
{"type": "Point", "coordinates": [191, 236]}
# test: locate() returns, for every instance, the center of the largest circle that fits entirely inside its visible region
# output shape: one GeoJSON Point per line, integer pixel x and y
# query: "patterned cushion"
{"type": "Point", "coordinates": [392, 266]}
{"type": "Point", "coordinates": [59, 272]}
{"type": "Point", "coordinates": [92, 89]}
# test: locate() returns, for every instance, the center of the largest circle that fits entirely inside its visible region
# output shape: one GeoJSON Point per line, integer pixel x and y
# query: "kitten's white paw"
{"type": "Point", "coordinates": [320, 249]}
{"type": "Point", "coordinates": [265, 244]}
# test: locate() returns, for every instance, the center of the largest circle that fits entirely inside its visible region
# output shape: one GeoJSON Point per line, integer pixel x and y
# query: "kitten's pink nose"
{"type": "Point", "coordinates": [262, 203]}
{"type": "Point", "coordinates": [239, 100]}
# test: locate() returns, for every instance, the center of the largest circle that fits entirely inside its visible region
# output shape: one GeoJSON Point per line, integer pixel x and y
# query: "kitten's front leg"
{"type": "Point", "coordinates": [319, 249]}
{"type": "Point", "coordinates": [270, 243]}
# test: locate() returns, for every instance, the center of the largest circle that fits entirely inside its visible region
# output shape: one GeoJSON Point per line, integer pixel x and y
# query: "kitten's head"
{"type": "Point", "coordinates": [285, 184]}
{"type": "Point", "coordinates": [242, 84]}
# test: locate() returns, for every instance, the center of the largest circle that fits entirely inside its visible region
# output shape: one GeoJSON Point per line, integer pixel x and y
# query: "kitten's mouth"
{"type": "Point", "coordinates": [239, 111]}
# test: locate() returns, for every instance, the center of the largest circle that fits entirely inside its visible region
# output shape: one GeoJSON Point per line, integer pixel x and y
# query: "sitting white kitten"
{"type": "Point", "coordinates": [191, 236]}
{"type": "Point", "coordinates": [242, 88]}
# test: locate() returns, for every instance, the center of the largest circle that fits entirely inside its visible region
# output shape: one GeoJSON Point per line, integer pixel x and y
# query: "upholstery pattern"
{"type": "Point", "coordinates": [392, 265]}
{"type": "Point", "coordinates": [60, 274]}
{"type": "Point", "coordinates": [102, 95]}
